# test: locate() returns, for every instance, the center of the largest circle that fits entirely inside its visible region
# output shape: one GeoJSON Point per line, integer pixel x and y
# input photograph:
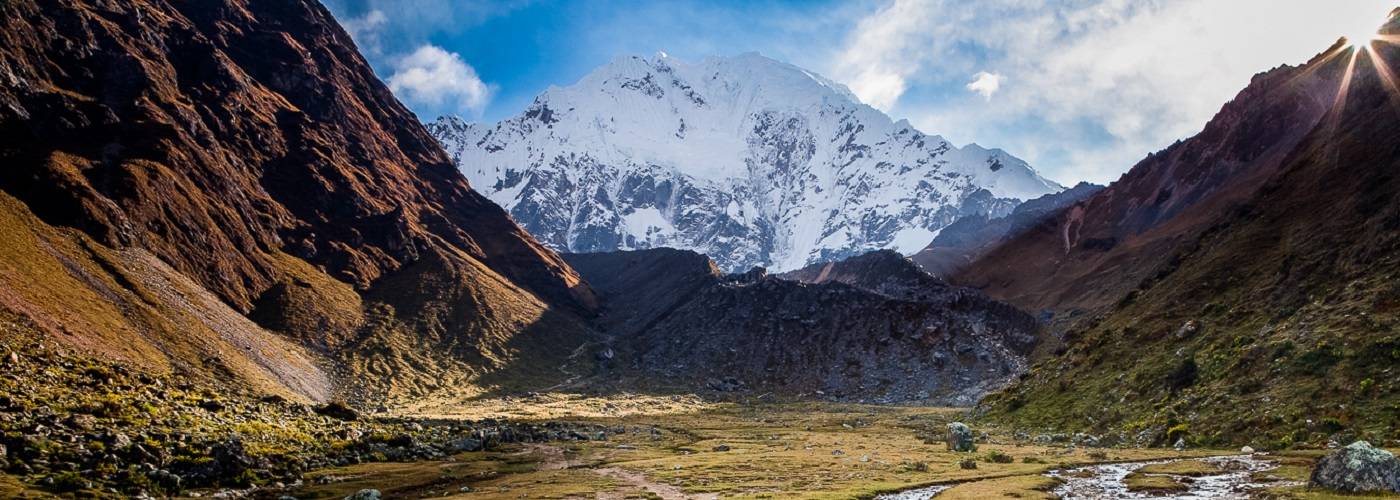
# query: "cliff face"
{"type": "Point", "coordinates": [248, 147]}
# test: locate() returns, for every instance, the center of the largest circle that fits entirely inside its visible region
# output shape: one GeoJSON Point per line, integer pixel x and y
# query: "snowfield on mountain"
{"type": "Point", "coordinates": [751, 161]}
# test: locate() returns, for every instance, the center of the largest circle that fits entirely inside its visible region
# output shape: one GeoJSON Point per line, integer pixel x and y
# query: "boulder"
{"type": "Point", "coordinates": [1188, 329]}
{"type": "Point", "coordinates": [464, 445]}
{"type": "Point", "coordinates": [1358, 467]}
{"type": "Point", "coordinates": [960, 437]}
{"type": "Point", "coordinates": [81, 422]}
{"type": "Point", "coordinates": [338, 410]}
{"type": "Point", "coordinates": [366, 494]}
{"type": "Point", "coordinates": [231, 459]}
{"type": "Point", "coordinates": [1248, 450]}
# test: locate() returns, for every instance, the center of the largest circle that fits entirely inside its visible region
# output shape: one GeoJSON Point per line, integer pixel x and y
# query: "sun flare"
{"type": "Point", "coordinates": [1362, 38]}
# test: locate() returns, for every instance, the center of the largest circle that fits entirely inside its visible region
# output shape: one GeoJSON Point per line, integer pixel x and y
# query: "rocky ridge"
{"type": "Point", "coordinates": [912, 339]}
{"type": "Point", "coordinates": [965, 241]}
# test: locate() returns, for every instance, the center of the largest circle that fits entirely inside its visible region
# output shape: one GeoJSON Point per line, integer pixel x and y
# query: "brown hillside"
{"type": "Point", "coordinates": [248, 147]}
{"type": "Point", "coordinates": [1089, 255]}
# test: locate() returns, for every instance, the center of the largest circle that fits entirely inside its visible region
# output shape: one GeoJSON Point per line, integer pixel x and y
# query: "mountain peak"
{"type": "Point", "coordinates": [753, 161]}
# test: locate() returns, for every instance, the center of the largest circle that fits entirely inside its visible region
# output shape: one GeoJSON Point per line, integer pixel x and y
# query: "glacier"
{"type": "Point", "coordinates": [751, 161]}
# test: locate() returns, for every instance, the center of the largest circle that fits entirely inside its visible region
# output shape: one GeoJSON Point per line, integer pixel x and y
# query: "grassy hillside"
{"type": "Point", "coordinates": [1278, 326]}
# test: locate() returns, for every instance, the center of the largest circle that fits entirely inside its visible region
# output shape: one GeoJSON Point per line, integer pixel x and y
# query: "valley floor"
{"type": "Point", "coordinates": [79, 428]}
{"type": "Point", "coordinates": [794, 450]}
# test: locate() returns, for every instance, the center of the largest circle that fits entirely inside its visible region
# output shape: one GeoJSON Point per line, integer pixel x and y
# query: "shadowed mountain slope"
{"type": "Point", "coordinates": [241, 159]}
{"type": "Point", "coordinates": [966, 240]}
{"type": "Point", "coordinates": [912, 338]}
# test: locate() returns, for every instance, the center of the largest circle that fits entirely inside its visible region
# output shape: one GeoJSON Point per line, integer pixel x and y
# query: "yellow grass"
{"type": "Point", "coordinates": [798, 450]}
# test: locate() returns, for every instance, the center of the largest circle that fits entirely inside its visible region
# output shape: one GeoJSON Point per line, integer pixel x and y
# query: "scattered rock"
{"type": "Point", "coordinates": [723, 447]}
{"type": "Point", "coordinates": [1188, 329]}
{"type": "Point", "coordinates": [1180, 444]}
{"type": "Point", "coordinates": [464, 445]}
{"type": "Point", "coordinates": [338, 410]}
{"type": "Point", "coordinates": [1358, 467]}
{"type": "Point", "coordinates": [119, 441]}
{"type": "Point", "coordinates": [81, 422]}
{"type": "Point", "coordinates": [968, 463]}
{"type": "Point", "coordinates": [960, 437]}
{"type": "Point", "coordinates": [366, 494]}
{"type": "Point", "coordinates": [231, 459]}
{"type": "Point", "coordinates": [727, 384]}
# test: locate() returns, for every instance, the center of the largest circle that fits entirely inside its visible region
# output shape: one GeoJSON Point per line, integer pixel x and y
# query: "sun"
{"type": "Point", "coordinates": [1362, 37]}
{"type": "Point", "coordinates": [1362, 40]}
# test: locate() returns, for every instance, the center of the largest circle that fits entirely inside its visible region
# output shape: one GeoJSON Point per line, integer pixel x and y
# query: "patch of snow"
{"type": "Point", "coordinates": [749, 160]}
{"type": "Point", "coordinates": [910, 241]}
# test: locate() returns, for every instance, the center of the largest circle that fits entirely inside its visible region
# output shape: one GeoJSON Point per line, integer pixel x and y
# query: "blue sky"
{"type": "Point", "coordinates": [1081, 89]}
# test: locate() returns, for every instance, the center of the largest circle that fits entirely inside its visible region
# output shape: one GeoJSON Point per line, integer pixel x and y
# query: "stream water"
{"type": "Point", "coordinates": [1235, 481]}
{"type": "Point", "coordinates": [914, 494]}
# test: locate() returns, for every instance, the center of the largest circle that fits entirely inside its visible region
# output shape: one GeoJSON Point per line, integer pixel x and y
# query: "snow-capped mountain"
{"type": "Point", "coordinates": [748, 160]}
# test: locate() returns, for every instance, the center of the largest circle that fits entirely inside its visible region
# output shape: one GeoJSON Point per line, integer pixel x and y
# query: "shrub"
{"type": "Point", "coordinates": [244, 479]}
{"type": "Point", "coordinates": [67, 482]}
{"type": "Point", "coordinates": [967, 463]}
{"type": "Point", "coordinates": [915, 466]}
{"type": "Point", "coordinates": [1177, 432]}
{"type": "Point", "coordinates": [998, 457]}
{"type": "Point", "coordinates": [1183, 376]}
{"type": "Point", "coordinates": [1318, 360]}
{"type": "Point", "coordinates": [1300, 436]}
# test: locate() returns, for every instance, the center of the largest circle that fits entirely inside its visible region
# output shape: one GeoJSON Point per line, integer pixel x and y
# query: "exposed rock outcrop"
{"type": "Point", "coordinates": [675, 319]}
{"type": "Point", "coordinates": [1357, 468]}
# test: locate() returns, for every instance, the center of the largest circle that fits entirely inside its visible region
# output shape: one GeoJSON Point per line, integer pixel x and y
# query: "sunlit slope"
{"type": "Point", "coordinates": [1277, 323]}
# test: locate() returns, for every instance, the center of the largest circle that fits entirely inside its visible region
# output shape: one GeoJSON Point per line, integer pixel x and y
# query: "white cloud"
{"type": "Point", "coordinates": [875, 63]}
{"type": "Point", "coordinates": [438, 79]}
{"type": "Point", "coordinates": [985, 84]}
{"type": "Point", "coordinates": [1099, 83]}
{"type": "Point", "coordinates": [366, 29]}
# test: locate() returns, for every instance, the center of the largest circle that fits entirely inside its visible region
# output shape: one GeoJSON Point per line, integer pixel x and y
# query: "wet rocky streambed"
{"type": "Point", "coordinates": [1236, 477]}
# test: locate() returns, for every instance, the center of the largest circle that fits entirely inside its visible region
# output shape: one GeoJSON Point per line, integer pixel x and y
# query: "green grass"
{"type": "Point", "coordinates": [1145, 483]}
